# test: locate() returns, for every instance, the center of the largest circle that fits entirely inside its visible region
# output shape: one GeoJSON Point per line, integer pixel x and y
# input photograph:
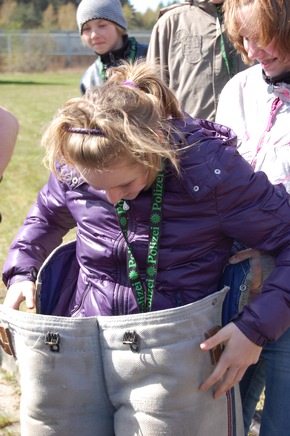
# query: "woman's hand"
{"type": "Point", "coordinates": [18, 292]}
{"type": "Point", "coordinates": [238, 354]}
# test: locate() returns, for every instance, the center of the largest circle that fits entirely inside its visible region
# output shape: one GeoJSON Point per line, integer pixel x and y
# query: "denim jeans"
{"type": "Point", "coordinates": [272, 371]}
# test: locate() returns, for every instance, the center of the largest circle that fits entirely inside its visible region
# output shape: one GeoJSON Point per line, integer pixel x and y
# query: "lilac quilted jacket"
{"type": "Point", "coordinates": [217, 199]}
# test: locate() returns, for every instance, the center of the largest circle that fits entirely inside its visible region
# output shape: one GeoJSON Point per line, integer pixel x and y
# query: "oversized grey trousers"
{"type": "Point", "coordinates": [82, 377]}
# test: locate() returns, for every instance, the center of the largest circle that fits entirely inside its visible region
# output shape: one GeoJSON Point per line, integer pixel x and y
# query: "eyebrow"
{"type": "Point", "coordinates": [112, 187]}
{"type": "Point", "coordinates": [126, 184]}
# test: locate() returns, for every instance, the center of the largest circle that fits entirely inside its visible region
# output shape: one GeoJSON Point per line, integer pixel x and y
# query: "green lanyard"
{"type": "Point", "coordinates": [230, 68]}
{"type": "Point", "coordinates": [131, 57]}
{"type": "Point", "coordinates": [144, 296]}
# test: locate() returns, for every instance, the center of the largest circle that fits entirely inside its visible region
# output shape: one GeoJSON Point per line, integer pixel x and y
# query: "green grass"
{"type": "Point", "coordinates": [5, 421]}
{"type": "Point", "coordinates": [33, 98]}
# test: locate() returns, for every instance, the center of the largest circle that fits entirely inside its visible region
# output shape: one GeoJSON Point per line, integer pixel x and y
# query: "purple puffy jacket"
{"type": "Point", "coordinates": [217, 199]}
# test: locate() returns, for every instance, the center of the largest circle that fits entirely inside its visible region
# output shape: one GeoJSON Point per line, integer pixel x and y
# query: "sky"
{"type": "Point", "coordinates": [143, 5]}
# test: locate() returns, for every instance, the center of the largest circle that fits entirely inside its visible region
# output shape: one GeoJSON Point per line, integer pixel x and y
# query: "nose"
{"type": "Point", "coordinates": [94, 32]}
{"type": "Point", "coordinates": [114, 195]}
{"type": "Point", "coordinates": [252, 49]}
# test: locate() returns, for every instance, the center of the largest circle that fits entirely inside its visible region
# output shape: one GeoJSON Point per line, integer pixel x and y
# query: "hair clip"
{"type": "Point", "coordinates": [84, 131]}
{"type": "Point", "coordinates": [128, 83]}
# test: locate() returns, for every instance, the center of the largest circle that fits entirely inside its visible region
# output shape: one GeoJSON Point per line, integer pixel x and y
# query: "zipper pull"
{"type": "Point", "coordinates": [277, 103]}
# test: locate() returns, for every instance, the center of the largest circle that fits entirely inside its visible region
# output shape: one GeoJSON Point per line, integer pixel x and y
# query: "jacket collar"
{"type": "Point", "coordinates": [279, 85]}
{"type": "Point", "coordinates": [285, 78]}
{"type": "Point", "coordinates": [114, 56]}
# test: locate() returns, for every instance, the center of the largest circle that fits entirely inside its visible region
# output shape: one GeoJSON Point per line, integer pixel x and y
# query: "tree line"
{"type": "Point", "coordinates": [61, 15]}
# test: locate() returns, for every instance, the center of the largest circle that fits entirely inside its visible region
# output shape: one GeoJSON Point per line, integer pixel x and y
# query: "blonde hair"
{"type": "Point", "coordinates": [121, 30]}
{"type": "Point", "coordinates": [132, 120]}
{"type": "Point", "coordinates": [269, 19]}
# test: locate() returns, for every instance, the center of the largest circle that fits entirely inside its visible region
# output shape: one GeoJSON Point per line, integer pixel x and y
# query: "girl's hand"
{"type": "Point", "coordinates": [256, 265]}
{"type": "Point", "coordinates": [18, 292]}
{"type": "Point", "coordinates": [248, 253]}
{"type": "Point", "coordinates": [238, 354]}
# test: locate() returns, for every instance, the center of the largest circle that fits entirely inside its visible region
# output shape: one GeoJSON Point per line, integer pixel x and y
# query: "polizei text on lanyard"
{"type": "Point", "coordinates": [144, 295]}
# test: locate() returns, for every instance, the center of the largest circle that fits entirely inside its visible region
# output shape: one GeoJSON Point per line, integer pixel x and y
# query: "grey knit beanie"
{"type": "Point", "coordinates": [110, 10]}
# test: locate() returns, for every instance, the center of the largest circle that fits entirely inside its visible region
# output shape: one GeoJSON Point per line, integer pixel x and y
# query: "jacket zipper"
{"type": "Point", "coordinates": [276, 105]}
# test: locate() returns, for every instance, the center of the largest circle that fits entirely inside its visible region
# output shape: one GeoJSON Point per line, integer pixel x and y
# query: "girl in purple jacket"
{"type": "Point", "coordinates": [157, 199]}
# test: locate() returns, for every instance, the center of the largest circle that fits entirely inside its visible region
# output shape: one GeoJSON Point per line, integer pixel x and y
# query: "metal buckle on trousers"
{"type": "Point", "coordinates": [132, 339]}
{"type": "Point", "coordinates": [5, 341]}
{"type": "Point", "coordinates": [53, 340]}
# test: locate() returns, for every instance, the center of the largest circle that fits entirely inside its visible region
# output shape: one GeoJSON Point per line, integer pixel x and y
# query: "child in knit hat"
{"type": "Point", "coordinates": [103, 28]}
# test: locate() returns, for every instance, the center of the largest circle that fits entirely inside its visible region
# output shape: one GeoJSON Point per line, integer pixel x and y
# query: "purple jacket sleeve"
{"type": "Point", "coordinates": [260, 220]}
{"type": "Point", "coordinates": [44, 227]}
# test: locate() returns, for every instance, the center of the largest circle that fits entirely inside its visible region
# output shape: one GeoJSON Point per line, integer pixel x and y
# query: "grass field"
{"type": "Point", "coordinates": [33, 98]}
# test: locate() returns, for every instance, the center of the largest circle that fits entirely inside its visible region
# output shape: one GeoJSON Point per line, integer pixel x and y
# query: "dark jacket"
{"type": "Point", "coordinates": [217, 199]}
{"type": "Point", "coordinates": [94, 75]}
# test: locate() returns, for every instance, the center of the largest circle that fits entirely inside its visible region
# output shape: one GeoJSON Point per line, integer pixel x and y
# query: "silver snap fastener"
{"type": "Point", "coordinates": [217, 171]}
{"type": "Point", "coordinates": [75, 180]}
{"type": "Point", "coordinates": [243, 288]}
{"type": "Point", "coordinates": [196, 188]}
